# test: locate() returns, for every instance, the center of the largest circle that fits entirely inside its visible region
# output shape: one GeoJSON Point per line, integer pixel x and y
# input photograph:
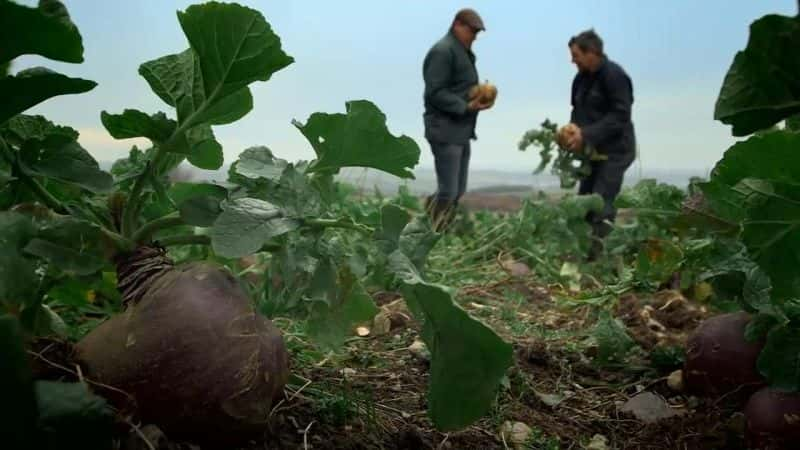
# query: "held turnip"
{"type": "Point", "coordinates": [719, 359]}
{"type": "Point", "coordinates": [773, 418]}
{"type": "Point", "coordinates": [198, 360]}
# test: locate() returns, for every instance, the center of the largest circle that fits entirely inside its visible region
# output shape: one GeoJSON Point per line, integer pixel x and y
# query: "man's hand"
{"type": "Point", "coordinates": [575, 140]}
{"type": "Point", "coordinates": [479, 104]}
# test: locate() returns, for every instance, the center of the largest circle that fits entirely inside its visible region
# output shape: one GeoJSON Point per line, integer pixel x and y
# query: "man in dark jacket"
{"type": "Point", "coordinates": [450, 117]}
{"type": "Point", "coordinates": [602, 97]}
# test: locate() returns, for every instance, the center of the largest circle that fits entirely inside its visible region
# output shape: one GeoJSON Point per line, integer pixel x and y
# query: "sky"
{"type": "Point", "coordinates": [676, 52]}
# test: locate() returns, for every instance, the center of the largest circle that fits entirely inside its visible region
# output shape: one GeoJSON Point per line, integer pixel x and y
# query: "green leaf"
{"type": "Point", "coordinates": [15, 230]}
{"type": "Point", "coordinates": [18, 279]}
{"type": "Point", "coordinates": [41, 320]}
{"type": "Point", "coordinates": [757, 290]}
{"type": "Point", "coordinates": [31, 132]}
{"type": "Point", "coordinates": [259, 162]}
{"type": "Point", "coordinates": [393, 221]}
{"type": "Point", "coordinates": [650, 194]}
{"type": "Point", "coordinates": [334, 319]}
{"type": "Point", "coordinates": [19, 398]}
{"type": "Point", "coordinates": [69, 163]}
{"type": "Point", "coordinates": [33, 86]}
{"type": "Point", "coordinates": [359, 138]}
{"type": "Point", "coordinates": [133, 123]}
{"type": "Point", "coordinates": [772, 156]}
{"type": "Point", "coordinates": [74, 246]}
{"type": "Point", "coordinates": [468, 360]}
{"type": "Point", "coordinates": [245, 225]}
{"type": "Point", "coordinates": [613, 342]}
{"type": "Point", "coordinates": [759, 326]}
{"type": "Point", "coordinates": [793, 123]}
{"type": "Point", "coordinates": [242, 49]}
{"type": "Point", "coordinates": [206, 152]}
{"type": "Point", "coordinates": [70, 416]}
{"type": "Point", "coordinates": [207, 84]}
{"type": "Point", "coordinates": [46, 31]}
{"type": "Point", "coordinates": [772, 234]}
{"type": "Point", "coordinates": [762, 86]}
{"type": "Point", "coordinates": [295, 194]}
{"type": "Point", "coordinates": [417, 240]}
{"type": "Point", "coordinates": [198, 203]}
{"type": "Point", "coordinates": [779, 361]}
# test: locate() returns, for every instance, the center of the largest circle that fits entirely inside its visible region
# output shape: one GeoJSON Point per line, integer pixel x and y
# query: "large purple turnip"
{"type": "Point", "coordinates": [719, 359]}
{"type": "Point", "coordinates": [773, 419]}
{"type": "Point", "coordinates": [198, 360]}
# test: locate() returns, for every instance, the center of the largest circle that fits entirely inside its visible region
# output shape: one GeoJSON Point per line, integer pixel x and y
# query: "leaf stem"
{"type": "Point", "coordinates": [46, 197]}
{"type": "Point", "coordinates": [146, 231]}
{"type": "Point", "coordinates": [123, 244]}
{"type": "Point", "coordinates": [337, 223]}
{"type": "Point", "coordinates": [194, 239]}
{"type": "Point", "coordinates": [199, 239]}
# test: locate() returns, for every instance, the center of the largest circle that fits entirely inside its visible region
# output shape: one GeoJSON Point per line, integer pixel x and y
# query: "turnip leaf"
{"type": "Point", "coordinates": [468, 359]}
{"type": "Point", "coordinates": [358, 138]}
{"type": "Point", "coordinates": [245, 225]}
{"type": "Point", "coordinates": [761, 87]}
{"type": "Point", "coordinates": [33, 86]}
{"type": "Point", "coordinates": [46, 31]}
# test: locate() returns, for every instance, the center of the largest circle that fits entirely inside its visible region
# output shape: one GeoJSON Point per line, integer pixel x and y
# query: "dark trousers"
{"type": "Point", "coordinates": [452, 167]}
{"type": "Point", "coordinates": [605, 180]}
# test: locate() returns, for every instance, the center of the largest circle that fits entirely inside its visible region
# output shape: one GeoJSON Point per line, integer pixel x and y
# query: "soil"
{"type": "Point", "coordinates": [373, 397]}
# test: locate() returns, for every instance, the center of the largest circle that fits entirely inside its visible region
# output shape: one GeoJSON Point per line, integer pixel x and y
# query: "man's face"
{"type": "Point", "coordinates": [465, 33]}
{"type": "Point", "coordinates": [585, 61]}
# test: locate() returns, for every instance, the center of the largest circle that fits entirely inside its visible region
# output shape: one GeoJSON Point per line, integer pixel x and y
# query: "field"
{"type": "Point", "coordinates": [285, 306]}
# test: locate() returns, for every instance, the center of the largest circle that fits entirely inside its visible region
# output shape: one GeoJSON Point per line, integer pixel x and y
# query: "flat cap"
{"type": "Point", "coordinates": [470, 17]}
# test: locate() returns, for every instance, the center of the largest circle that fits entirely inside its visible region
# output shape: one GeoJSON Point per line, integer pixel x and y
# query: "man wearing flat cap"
{"type": "Point", "coordinates": [450, 111]}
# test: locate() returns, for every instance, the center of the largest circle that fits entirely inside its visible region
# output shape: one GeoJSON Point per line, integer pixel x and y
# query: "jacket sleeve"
{"type": "Point", "coordinates": [572, 117]}
{"type": "Point", "coordinates": [620, 93]}
{"type": "Point", "coordinates": [436, 72]}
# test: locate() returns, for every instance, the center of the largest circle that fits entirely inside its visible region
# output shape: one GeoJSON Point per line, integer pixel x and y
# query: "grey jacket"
{"type": "Point", "coordinates": [449, 72]}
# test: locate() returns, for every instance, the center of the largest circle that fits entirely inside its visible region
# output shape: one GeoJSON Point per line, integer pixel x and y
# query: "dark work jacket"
{"type": "Point", "coordinates": [449, 73]}
{"type": "Point", "coordinates": [601, 107]}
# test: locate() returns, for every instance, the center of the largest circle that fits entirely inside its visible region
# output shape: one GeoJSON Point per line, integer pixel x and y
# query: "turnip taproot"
{"type": "Point", "coordinates": [773, 418]}
{"type": "Point", "coordinates": [719, 359]}
{"type": "Point", "coordinates": [190, 349]}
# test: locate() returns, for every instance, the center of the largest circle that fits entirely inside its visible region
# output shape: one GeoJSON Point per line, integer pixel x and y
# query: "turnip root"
{"type": "Point", "coordinates": [773, 418]}
{"type": "Point", "coordinates": [198, 360]}
{"type": "Point", "coordinates": [719, 360]}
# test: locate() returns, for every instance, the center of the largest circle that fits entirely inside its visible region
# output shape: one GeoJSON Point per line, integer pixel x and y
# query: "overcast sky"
{"type": "Point", "coordinates": [675, 51]}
